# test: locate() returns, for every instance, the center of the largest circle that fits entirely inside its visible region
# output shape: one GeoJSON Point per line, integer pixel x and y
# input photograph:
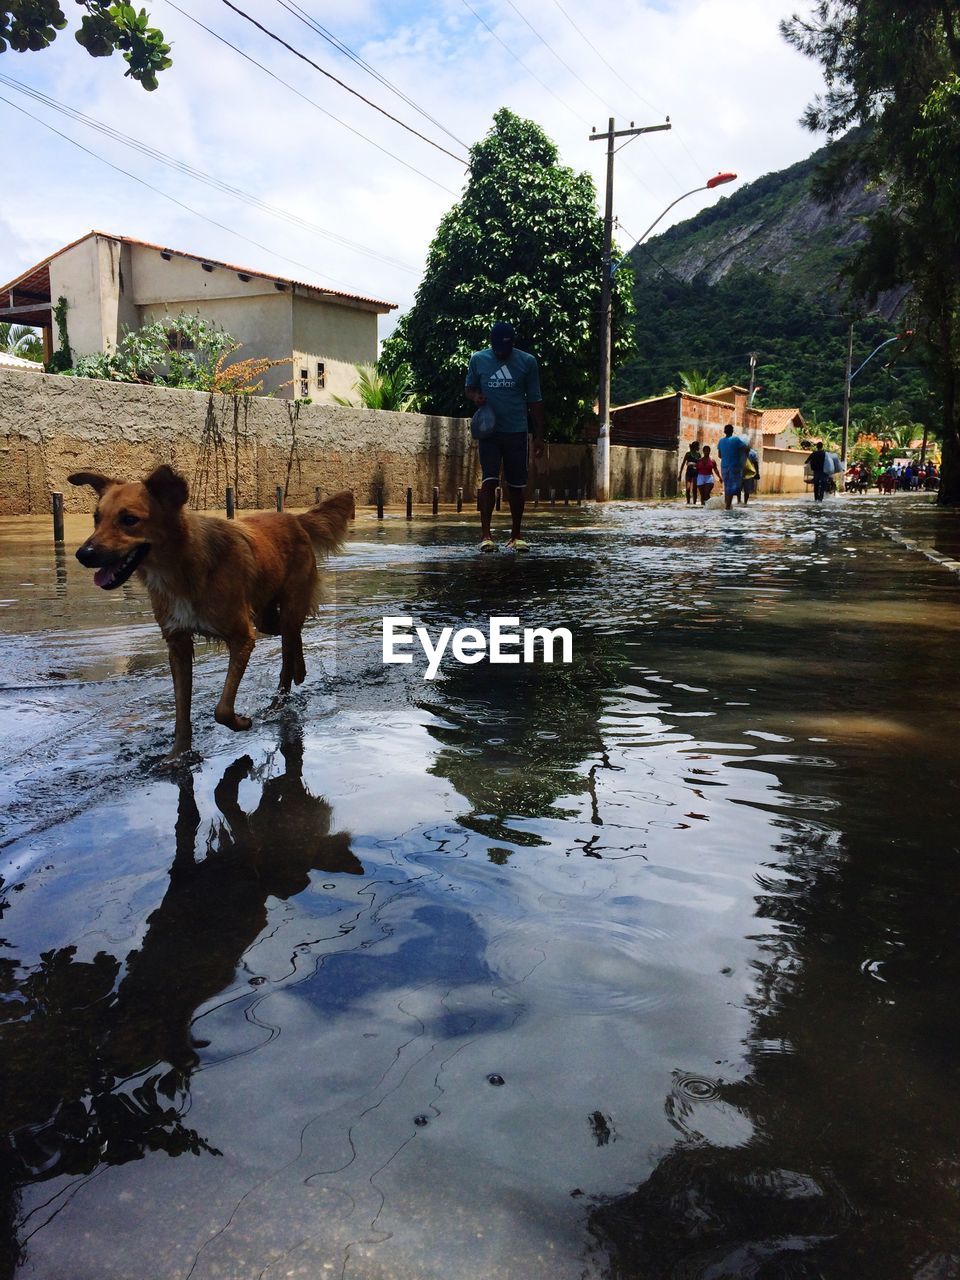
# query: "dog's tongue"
{"type": "Point", "coordinates": [103, 576]}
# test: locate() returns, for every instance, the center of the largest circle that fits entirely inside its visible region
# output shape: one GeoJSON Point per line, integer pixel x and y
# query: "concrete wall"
{"type": "Point", "coordinates": [782, 471]}
{"type": "Point", "coordinates": [50, 426]}
{"type": "Point", "coordinates": [76, 276]}
{"type": "Point", "coordinates": [338, 337]}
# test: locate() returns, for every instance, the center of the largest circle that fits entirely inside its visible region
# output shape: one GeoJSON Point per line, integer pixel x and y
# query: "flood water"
{"type": "Point", "coordinates": [644, 966]}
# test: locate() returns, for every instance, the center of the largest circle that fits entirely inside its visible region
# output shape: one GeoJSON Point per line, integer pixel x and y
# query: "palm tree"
{"type": "Point", "coordinates": [383, 389]}
{"type": "Point", "coordinates": [697, 383]}
{"type": "Point", "coordinates": [19, 340]}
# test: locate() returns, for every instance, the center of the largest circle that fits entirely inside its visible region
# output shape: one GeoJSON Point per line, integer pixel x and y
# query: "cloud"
{"type": "Point", "coordinates": [719, 68]}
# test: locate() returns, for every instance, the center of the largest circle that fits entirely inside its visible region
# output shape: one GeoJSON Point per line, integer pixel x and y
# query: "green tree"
{"type": "Point", "coordinates": [104, 27]}
{"type": "Point", "coordinates": [380, 388]}
{"type": "Point", "coordinates": [19, 340]}
{"type": "Point", "coordinates": [892, 65]}
{"type": "Point", "coordinates": [523, 244]}
{"type": "Point", "coordinates": [700, 383]}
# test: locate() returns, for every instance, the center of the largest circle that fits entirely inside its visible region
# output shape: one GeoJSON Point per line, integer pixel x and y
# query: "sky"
{"type": "Point", "coordinates": [355, 199]}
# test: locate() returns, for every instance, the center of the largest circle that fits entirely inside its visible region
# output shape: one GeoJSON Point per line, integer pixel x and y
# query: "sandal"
{"type": "Point", "coordinates": [488, 544]}
{"type": "Point", "coordinates": [517, 544]}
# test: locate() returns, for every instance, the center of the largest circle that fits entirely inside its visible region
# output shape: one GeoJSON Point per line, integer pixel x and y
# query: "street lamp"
{"type": "Point", "coordinates": [897, 337]}
{"type": "Point", "coordinates": [601, 484]}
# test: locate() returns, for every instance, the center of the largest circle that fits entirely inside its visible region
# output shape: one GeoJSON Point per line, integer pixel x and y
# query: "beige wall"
{"type": "Point", "coordinates": [341, 337]}
{"type": "Point", "coordinates": [77, 276]}
{"type": "Point", "coordinates": [782, 471]}
{"type": "Point", "coordinates": [50, 426]}
{"type": "Point", "coordinates": [182, 281]}
{"type": "Point", "coordinates": [262, 325]}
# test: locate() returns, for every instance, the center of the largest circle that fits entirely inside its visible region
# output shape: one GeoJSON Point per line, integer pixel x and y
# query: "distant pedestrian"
{"type": "Point", "coordinates": [816, 462]}
{"type": "Point", "coordinates": [688, 471]}
{"type": "Point", "coordinates": [732, 450]}
{"type": "Point", "coordinates": [706, 470]}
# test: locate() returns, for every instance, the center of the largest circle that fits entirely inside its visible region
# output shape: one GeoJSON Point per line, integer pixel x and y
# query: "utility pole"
{"type": "Point", "coordinates": [846, 397]}
{"type": "Point", "coordinates": [602, 469]}
{"type": "Point", "coordinates": [753, 377]}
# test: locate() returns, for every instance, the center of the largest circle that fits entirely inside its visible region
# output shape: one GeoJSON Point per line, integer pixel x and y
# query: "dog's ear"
{"type": "Point", "coordinates": [96, 481]}
{"type": "Point", "coordinates": [169, 488]}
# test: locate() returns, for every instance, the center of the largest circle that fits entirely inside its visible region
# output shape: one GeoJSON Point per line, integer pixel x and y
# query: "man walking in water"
{"type": "Point", "coordinates": [732, 450]}
{"type": "Point", "coordinates": [817, 462]}
{"type": "Point", "coordinates": [509, 381]}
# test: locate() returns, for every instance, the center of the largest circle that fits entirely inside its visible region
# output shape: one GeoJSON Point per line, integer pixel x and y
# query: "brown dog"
{"type": "Point", "coordinates": [212, 577]}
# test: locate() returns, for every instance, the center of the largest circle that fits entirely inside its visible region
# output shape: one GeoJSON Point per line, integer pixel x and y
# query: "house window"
{"type": "Point", "coordinates": [304, 383]}
{"type": "Point", "coordinates": [178, 341]}
{"type": "Point", "coordinates": [321, 376]}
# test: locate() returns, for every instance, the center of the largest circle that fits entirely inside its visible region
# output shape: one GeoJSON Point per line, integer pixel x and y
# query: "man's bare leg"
{"type": "Point", "coordinates": [516, 496]}
{"type": "Point", "coordinates": [488, 500]}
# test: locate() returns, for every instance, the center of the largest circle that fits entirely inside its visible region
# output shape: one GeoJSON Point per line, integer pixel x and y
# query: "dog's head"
{"type": "Point", "coordinates": [130, 519]}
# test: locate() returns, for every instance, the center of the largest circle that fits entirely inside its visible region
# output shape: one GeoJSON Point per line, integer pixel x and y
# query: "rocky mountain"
{"type": "Point", "coordinates": [759, 271]}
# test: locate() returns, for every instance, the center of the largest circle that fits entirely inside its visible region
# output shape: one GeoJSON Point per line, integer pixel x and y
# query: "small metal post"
{"type": "Point", "coordinates": [499, 497]}
{"type": "Point", "coordinates": [536, 497]}
{"type": "Point", "coordinates": [436, 499]}
{"type": "Point", "coordinates": [409, 503]}
{"type": "Point", "coordinates": [566, 497]}
{"type": "Point", "coordinates": [553, 497]}
{"type": "Point", "coordinates": [459, 500]}
{"type": "Point", "coordinates": [279, 492]}
{"type": "Point", "coordinates": [579, 497]}
{"type": "Point", "coordinates": [379, 504]}
{"type": "Point", "coordinates": [230, 502]}
{"type": "Point", "coordinates": [478, 499]}
{"type": "Point", "coordinates": [57, 516]}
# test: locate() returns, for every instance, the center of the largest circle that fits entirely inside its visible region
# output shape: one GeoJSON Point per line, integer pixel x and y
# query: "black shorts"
{"type": "Point", "coordinates": [508, 448]}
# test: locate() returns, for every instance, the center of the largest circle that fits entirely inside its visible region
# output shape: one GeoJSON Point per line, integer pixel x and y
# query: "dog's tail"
{"type": "Point", "coordinates": [327, 523]}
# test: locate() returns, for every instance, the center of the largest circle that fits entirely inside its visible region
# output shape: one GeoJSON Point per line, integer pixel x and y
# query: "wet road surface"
{"type": "Point", "coordinates": [643, 966]}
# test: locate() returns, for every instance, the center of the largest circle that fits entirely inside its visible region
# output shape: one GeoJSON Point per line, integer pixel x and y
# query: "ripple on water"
{"type": "Point", "coordinates": [604, 967]}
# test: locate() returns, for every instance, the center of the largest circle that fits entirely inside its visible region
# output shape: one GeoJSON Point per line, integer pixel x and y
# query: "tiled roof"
{"type": "Point", "coordinates": [8, 361]}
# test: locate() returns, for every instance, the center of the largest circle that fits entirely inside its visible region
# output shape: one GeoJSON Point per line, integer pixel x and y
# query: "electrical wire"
{"type": "Point", "coordinates": [314, 25]}
{"type": "Point", "coordinates": [330, 76]}
{"type": "Point", "coordinates": [198, 175]}
{"type": "Point", "coordinates": [316, 105]}
{"type": "Point", "coordinates": [166, 196]}
{"type": "Point", "coordinates": [516, 57]}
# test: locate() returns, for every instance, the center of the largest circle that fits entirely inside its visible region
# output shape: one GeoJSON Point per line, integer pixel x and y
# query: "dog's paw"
{"type": "Point", "coordinates": [177, 761]}
{"type": "Point", "coordinates": [230, 720]}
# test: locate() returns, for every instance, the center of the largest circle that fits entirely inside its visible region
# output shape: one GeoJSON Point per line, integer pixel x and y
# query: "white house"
{"type": "Point", "coordinates": [114, 283]}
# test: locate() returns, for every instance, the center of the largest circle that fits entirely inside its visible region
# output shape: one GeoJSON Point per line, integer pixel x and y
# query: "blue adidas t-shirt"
{"type": "Point", "coordinates": [732, 450]}
{"type": "Point", "coordinates": [509, 385]}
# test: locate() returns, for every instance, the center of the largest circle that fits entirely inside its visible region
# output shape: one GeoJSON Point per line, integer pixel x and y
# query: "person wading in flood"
{"type": "Point", "coordinates": [509, 381]}
{"type": "Point", "coordinates": [706, 470]}
{"type": "Point", "coordinates": [732, 450]}
{"type": "Point", "coordinates": [688, 471]}
{"type": "Point", "coordinates": [817, 462]}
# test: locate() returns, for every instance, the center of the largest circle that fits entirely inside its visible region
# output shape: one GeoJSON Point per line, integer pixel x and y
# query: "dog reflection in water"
{"type": "Point", "coordinates": [215, 906]}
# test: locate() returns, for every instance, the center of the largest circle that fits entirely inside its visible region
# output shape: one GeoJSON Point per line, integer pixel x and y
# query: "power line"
{"type": "Point", "coordinates": [314, 25]}
{"type": "Point", "coordinates": [556, 55]}
{"type": "Point", "coordinates": [198, 175]}
{"type": "Point", "coordinates": [316, 105]}
{"type": "Point", "coordinates": [516, 57]}
{"type": "Point", "coordinates": [330, 76]}
{"type": "Point", "coordinates": [173, 200]}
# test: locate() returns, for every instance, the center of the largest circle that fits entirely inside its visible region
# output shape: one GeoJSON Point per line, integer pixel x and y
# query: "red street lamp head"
{"type": "Point", "coordinates": [719, 179]}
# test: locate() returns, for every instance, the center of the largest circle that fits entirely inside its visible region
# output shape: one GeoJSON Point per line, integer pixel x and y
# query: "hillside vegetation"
{"type": "Point", "coordinates": [759, 271]}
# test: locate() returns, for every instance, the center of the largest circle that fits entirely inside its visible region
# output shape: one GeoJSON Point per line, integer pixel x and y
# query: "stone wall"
{"type": "Point", "coordinates": [52, 425]}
